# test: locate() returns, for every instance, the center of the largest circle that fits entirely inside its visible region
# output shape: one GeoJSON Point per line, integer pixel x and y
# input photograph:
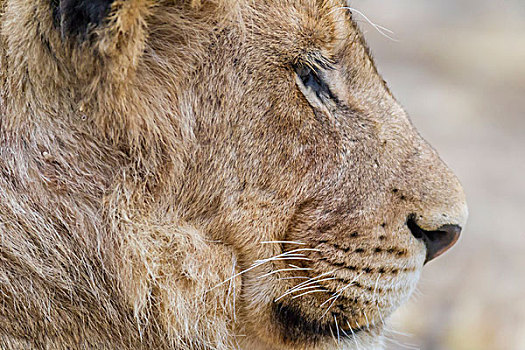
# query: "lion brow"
{"type": "Point", "coordinates": [316, 61]}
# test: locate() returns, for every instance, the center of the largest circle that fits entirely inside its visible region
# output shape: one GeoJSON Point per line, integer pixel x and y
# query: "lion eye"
{"type": "Point", "coordinates": [311, 83]}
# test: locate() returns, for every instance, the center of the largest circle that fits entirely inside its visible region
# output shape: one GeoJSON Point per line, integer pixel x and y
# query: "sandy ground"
{"type": "Point", "coordinates": [458, 67]}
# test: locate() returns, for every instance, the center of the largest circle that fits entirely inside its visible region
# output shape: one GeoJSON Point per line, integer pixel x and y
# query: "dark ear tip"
{"type": "Point", "coordinates": [76, 18]}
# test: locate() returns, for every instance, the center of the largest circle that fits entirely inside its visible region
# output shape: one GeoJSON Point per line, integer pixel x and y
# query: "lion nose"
{"type": "Point", "coordinates": [437, 242]}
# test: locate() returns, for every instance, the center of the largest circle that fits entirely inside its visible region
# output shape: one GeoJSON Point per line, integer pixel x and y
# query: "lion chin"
{"type": "Point", "coordinates": [211, 174]}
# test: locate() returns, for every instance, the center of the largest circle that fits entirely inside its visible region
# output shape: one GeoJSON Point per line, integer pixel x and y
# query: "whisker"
{"type": "Point", "coordinates": [367, 321]}
{"type": "Point", "coordinates": [292, 278]}
{"type": "Point", "coordinates": [310, 292]}
{"type": "Point", "coordinates": [375, 287]}
{"type": "Point", "coordinates": [283, 242]}
{"type": "Point", "coordinates": [315, 281]}
{"type": "Point", "coordinates": [357, 346]}
{"type": "Point", "coordinates": [332, 333]}
{"type": "Point", "coordinates": [380, 315]}
{"type": "Point", "coordinates": [317, 277]}
{"type": "Point", "coordinates": [283, 256]}
{"type": "Point", "coordinates": [346, 334]}
{"type": "Point", "coordinates": [306, 283]}
{"type": "Point", "coordinates": [385, 29]}
{"type": "Point", "coordinates": [408, 335]}
{"type": "Point", "coordinates": [285, 270]}
{"type": "Point", "coordinates": [337, 329]}
{"type": "Point", "coordinates": [232, 287]}
{"type": "Point", "coordinates": [338, 294]}
{"type": "Point", "coordinates": [302, 250]}
{"type": "Point", "coordinates": [291, 252]}
{"type": "Point", "coordinates": [398, 342]}
{"type": "Point", "coordinates": [235, 276]}
{"type": "Point", "coordinates": [295, 291]}
{"type": "Point", "coordinates": [293, 257]}
{"type": "Point", "coordinates": [329, 307]}
{"type": "Point", "coordinates": [380, 29]}
{"type": "Point", "coordinates": [297, 255]}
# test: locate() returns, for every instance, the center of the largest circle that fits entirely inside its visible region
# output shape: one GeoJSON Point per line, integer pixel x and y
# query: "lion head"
{"type": "Point", "coordinates": [215, 175]}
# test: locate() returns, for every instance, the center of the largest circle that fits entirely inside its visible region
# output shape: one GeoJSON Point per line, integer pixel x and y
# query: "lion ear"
{"type": "Point", "coordinates": [113, 29]}
{"type": "Point", "coordinates": [108, 24]}
{"type": "Point", "coordinates": [76, 18]}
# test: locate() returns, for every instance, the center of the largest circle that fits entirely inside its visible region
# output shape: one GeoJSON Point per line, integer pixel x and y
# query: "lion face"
{"type": "Point", "coordinates": [323, 179]}
{"type": "Point", "coordinates": [263, 126]}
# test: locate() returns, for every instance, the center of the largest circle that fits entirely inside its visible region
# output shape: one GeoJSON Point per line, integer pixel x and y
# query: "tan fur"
{"type": "Point", "coordinates": [146, 171]}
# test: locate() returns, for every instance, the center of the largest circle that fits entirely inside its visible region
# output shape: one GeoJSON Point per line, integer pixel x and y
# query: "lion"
{"type": "Point", "coordinates": [216, 174]}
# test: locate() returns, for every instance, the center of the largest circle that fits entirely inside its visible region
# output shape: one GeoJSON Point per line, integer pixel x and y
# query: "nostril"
{"type": "Point", "coordinates": [437, 242]}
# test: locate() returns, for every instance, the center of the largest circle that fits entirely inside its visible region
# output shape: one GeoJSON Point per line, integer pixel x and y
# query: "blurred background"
{"type": "Point", "coordinates": [458, 67]}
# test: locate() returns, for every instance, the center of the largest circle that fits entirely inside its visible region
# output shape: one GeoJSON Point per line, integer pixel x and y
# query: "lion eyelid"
{"type": "Point", "coordinates": [311, 81]}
